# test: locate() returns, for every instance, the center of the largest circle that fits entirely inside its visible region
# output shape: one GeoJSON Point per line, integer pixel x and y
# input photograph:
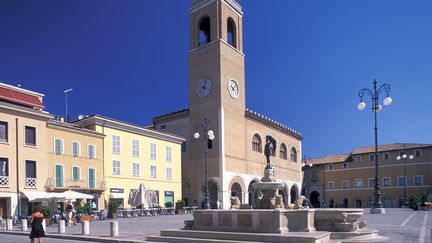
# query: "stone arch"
{"type": "Point", "coordinates": [294, 193]}
{"type": "Point", "coordinates": [204, 31]}
{"type": "Point", "coordinates": [231, 32]}
{"type": "Point", "coordinates": [315, 199]}
{"type": "Point", "coordinates": [293, 156]}
{"type": "Point", "coordinates": [251, 196]}
{"type": "Point", "coordinates": [257, 143]}
{"type": "Point", "coordinates": [237, 187]}
{"type": "Point", "coordinates": [283, 151]}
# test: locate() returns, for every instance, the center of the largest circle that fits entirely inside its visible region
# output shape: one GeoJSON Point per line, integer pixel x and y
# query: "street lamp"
{"type": "Point", "coordinates": [377, 207]}
{"type": "Point", "coordinates": [208, 134]}
{"type": "Point", "coordinates": [66, 94]}
{"type": "Point", "coordinates": [404, 156]}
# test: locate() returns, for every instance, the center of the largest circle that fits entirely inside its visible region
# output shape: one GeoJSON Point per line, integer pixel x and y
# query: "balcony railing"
{"type": "Point", "coordinates": [4, 181]}
{"type": "Point", "coordinates": [30, 182]}
{"type": "Point", "coordinates": [74, 184]}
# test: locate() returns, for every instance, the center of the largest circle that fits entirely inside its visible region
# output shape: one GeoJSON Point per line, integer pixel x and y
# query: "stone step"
{"type": "Point", "coordinates": [294, 237]}
{"type": "Point", "coordinates": [156, 238]}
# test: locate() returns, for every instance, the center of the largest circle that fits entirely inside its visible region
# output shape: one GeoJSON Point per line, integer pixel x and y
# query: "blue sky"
{"type": "Point", "coordinates": [305, 62]}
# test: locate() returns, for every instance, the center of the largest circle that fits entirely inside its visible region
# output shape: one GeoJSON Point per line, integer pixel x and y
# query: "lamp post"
{"type": "Point", "coordinates": [66, 95]}
{"type": "Point", "coordinates": [377, 207]}
{"type": "Point", "coordinates": [404, 156]}
{"type": "Point", "coordinates": [208, 135]}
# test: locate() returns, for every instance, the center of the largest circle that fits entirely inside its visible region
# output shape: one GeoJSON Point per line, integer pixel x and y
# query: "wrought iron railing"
{"type": "Point", "coordinates": [31, 182]}
{"type": "Point", "coordinates": [4, 181]}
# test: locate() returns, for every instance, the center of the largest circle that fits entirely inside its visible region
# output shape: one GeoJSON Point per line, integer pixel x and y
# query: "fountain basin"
{"type": "Point", "coordinates": [267, 186]}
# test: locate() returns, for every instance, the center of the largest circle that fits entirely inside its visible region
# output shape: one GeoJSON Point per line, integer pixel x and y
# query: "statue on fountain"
{"type": "Point", "coordinates": [269, 149]}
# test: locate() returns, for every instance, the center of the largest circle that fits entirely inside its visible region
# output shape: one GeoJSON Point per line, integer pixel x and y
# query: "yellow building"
{"type": "Point", "coordinates": [135, 155]}
{"type": "Point", "coordinates": [23, 157]}
{"type": "Point", "coordinates": [347, 180]}
{"type": "Point", "coordinates": [75, 161]}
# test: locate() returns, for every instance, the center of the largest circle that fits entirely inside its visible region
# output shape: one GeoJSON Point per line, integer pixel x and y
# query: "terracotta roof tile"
{"type": "Point", "coordinates": [389, 147]}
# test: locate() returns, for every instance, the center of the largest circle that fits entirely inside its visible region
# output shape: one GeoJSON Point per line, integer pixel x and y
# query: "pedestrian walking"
{"type": "Point", "coordinates": [37, 230]}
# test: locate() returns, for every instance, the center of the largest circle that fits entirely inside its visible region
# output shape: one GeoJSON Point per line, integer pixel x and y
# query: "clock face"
{"type": "Point", "coordinates": [203, 87]}
{"type": "Point", "coordinates": [233, 89]}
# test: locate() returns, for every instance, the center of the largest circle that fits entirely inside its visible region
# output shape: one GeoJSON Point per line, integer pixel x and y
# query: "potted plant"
{"type": "Point", "coordinates": [112, 210]}
{"type": "Point", "coordinates": [46, 211]}
{"type": "Point", "coordinates": [84, 212]}
{"type": "Point", "coordinates": [168, 204]}
{"type": "Point", "coordinates": [179, 207]}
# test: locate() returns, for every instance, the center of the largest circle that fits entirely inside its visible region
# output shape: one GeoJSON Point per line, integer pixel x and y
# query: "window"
{"type": "Point", "coordinates": [169, 173]}
{"type": "Point", "coordinates": [386, 156]}
{"type": "Point", "coordinates": [4, 132]}
{"type": "Point", "coordinates": [153, 171]}
{"type": "Point", "coordinates": [30, 169]}
{"type": "Point", "coordinates": [293, 154]}
{"type": "Point", "coordinates": [30, 136]}
{"type": "Point", "coordinates": [152, 151]}
{"type": "Point", "coordinates": [59, 176]}
{"type": "Point", "coordinates": [358, 183]}
{"type": "Point", "coordinates": [135, 169]}
{"type": "Point", "coordinates": [4, 172]}
{"type": "Point", "coordinates": [91, 178]}
{"type": "Point", "coordinates": [58, 146]}
{"type": "Point", "coordinates": [76, 149]}
{"type": "Point", "coordinates": [76, 173]}
{"type": "Point", "coordinates": [135, 148]}
{"type": "Point", "coordinates": [283, 152]}
{"type": "Point", "coordinates": [330, 167]}
{"type": "Point", "coordinates": [386, 182]}
{"type": "Point", "coordinates": [209, 143]}
{"type": "Point", "coordinates": [256, 143]}
{"type": "Point", "coordinates": [204, 31]}
{"type": "Point", "coordinates": [115, 144]}
{"type": "Point", "coordinates": [401, 180]}
{"type": "Point", "coordinates": [4, 167]}
{"type": "Point", "coordinates": [345, 166]}
{"type": "Point", "coordinates": [357, 158]}
{"type": "Point", "coordinates": [116, 167]}
{"type": "Point", "coordinates": [168, 154]}
{"type": "Point", "coordinates": [231, 34]}
{"type": "Point", "coordinates": [418, 180]}
{"type": "Point", "coordinates": [371, 182]}
{"type": "Point", "coordinates": [401, 153]}
{"type": "Point", "coordinates": [331, 185]}
{"type": "Point", "coordinates": [91, 151]}
{"type": "Point", "coordinates": [418, 153]}
{"type": "Point", "coordinates": [372, 157]}
{"type": "Point", "coordinates": [345, 184]}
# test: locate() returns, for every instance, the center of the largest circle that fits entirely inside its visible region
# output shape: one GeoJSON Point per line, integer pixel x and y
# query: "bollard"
{"type": "Point", "coordinates": [114, 228]}
{"type": "Point", "coordinates": [85, 227]}
{"type": "Point", "coordinates": [9, 225]}
{"type": "Point", "coordinates": [23, 224]}
{"type": "Point", "coordinates": [61, 226]}
{"type": "Point", "coordinates": [44, 224]}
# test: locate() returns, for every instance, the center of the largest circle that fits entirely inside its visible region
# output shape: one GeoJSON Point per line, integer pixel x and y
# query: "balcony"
{"type": "Point", "coordinates": [4, 181]}
{"type": "Point", "coordinates": [31, 182]}
{"type": "Point", "coordinates": [71, 184]}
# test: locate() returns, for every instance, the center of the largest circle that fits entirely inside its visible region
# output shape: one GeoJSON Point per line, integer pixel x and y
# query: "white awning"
{"type": "Point", "coordinates": [116, 195]}
{"type": "Point", "coordinates": [74, 195]}
{"type": "Point", "coordinates": [40, 196]}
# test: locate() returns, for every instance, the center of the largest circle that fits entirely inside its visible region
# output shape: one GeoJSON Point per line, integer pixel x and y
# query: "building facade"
{"type": "Point", "coordinates": [75, 161]}
{"type": "Point", "coordinates": [348, 179]}
{"type": "Point", "coordinates": [216, 88]}
{"type": "Point", "coordinates": [136, 155]}
{"type": "Point", "coordinates": [23, 151]}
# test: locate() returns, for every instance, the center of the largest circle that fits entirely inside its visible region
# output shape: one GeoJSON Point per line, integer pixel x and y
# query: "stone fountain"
{"type": "Point", "coordinates": [272, 221]}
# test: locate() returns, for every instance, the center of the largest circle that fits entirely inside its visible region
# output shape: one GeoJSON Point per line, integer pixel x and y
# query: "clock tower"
{"type": "Point", "coordinates": [217, 82]}
{"type": "Point", "coordinates": [216, 89]}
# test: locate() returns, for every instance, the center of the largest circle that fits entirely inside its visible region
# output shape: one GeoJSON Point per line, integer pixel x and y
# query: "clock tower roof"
{"type": "Point", "coordinates": [195, 4]}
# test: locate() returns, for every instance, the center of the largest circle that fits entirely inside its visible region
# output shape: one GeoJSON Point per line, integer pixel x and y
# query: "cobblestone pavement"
{"type": "Point", "coordinates": [400, 225]}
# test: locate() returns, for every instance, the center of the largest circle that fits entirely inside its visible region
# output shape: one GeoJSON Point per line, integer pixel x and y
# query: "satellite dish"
{"type": "Point", "coordinates": [80, 117]}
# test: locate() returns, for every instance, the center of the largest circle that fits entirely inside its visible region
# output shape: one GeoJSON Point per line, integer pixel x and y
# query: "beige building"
{"type": "Point", "coordinates": [347, 180]}
{"type": "Point", "coordinates": [23, 151]}
{"type": "Point", "coordinates": [75, 161]}
{"type": "Point", "coordinates": [216, 88]}
{"type": "Point", "coordinates": [137, 155]}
